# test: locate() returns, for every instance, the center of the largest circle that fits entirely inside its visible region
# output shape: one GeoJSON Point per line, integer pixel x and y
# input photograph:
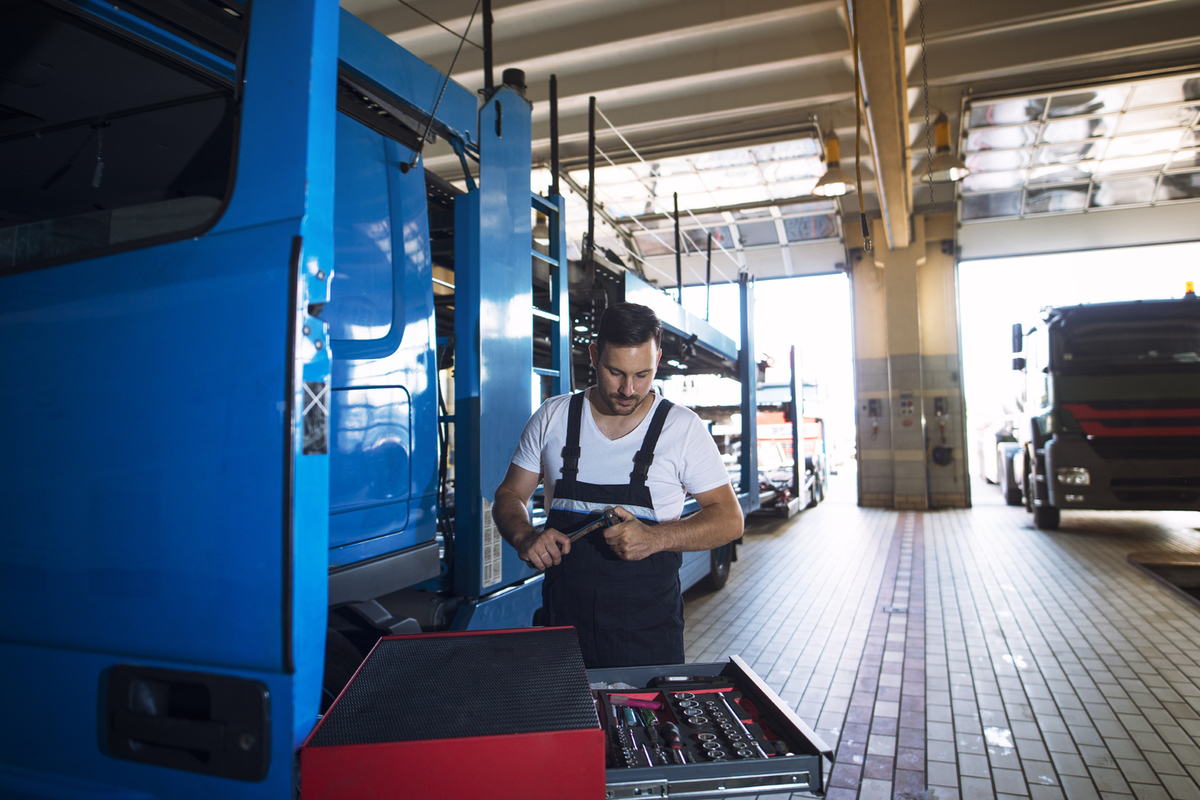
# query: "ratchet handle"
{"type": "Point", "coordinates": [608, 518]}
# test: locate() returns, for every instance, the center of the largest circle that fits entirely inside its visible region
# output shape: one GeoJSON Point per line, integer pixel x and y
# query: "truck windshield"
{"type": "Point", "coordinates": [1113, 347]}
{"type": "Point", "coordinates": [104, 143]}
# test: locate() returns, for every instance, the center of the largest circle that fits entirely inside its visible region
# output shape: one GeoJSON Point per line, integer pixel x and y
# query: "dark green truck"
{"type": "Point", "coordinates": [1112, 408]}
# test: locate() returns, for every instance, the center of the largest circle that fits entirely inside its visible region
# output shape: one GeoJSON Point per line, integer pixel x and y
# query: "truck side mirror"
{"type": "Point", "coordinates": [1018, 337]}
{"type": "Point", "coordinates": [1018, 363]}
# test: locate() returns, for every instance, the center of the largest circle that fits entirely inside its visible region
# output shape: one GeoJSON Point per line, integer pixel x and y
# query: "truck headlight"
{"type": "Point", "coordinates": [1074, 476]}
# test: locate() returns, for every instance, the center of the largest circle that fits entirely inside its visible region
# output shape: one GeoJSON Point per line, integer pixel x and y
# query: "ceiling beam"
{"type": "Point", "coordinates": [885, 83]}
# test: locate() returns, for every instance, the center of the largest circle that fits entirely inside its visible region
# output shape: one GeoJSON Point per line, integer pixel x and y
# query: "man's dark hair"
{"type": "Point", "coordinates": [628, 325]}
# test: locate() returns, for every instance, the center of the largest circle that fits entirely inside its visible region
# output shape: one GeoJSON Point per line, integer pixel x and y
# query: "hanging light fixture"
{"type": "Point", "coordinates": [835, 182]}
{"type": "Point", "coordinates": [945, 166]}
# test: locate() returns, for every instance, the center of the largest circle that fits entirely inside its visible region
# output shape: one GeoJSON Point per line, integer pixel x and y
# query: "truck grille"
{"type": "Point", "coordinates": [1170, 491]}
{"type": "Point", "coordinates": [1138, 418]}
{"type": "Point", "coordinates": [1147, 447]}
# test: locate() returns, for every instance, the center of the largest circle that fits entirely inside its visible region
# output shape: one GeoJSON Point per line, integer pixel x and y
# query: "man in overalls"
{"type": "Point", "coordinates": [618, 444]}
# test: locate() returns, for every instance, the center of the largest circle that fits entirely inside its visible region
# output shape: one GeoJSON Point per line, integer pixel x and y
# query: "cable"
{"type": "Point", "coordinates": [443, 521]}
{"type": "Point", "coordinates": [435, 22]}
{"type": "Point", "coordinates": [858, 115]}
{"type": "Point", "coordinates": [442, 91]}
{"type": "Point", "coordinates": [653, 197]}
{"type": "Point", "coordinates": [925, 84]}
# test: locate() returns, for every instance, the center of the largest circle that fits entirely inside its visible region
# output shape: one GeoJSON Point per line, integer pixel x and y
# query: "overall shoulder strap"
{"type": "Point", "coordinates": [645, 456]}
{"type": "Point", "coordinates": [570, 451]}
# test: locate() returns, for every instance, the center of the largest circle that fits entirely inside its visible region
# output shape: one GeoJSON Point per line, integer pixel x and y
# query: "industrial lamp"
{"type": "Point", "coordinates": [945, 166]}
{"type": "Point", "coordinates": [835, 182]}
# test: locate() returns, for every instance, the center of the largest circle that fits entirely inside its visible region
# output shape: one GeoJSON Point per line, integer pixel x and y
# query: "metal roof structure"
{"type": "Point", "coordinates": [681, 79]}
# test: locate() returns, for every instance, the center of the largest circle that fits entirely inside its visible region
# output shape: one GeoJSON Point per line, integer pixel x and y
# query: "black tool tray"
{"type": "Point", "coordinates": [765, 750]}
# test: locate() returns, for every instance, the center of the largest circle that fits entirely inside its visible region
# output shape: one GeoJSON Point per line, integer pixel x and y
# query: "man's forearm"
{"type": "Point", "coordinates": [512, 518]}
{"type": "Point", "coordinates": [712, 526]}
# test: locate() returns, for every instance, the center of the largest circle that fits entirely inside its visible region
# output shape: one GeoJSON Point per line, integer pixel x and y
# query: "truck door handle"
{"type": "Point", "coordinates": [186, 734]}
{"type": "Point", "coordinates": [195, 721]}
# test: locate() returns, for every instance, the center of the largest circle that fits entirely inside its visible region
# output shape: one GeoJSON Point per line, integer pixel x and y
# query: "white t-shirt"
{"type": "Point", "coordinates": [686, 459]}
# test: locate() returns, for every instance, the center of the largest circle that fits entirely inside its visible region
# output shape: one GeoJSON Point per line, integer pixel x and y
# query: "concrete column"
{"type": "Point", "coordinates": [907, 370]}
{"type": "Point", "coordinates": [941, 365]}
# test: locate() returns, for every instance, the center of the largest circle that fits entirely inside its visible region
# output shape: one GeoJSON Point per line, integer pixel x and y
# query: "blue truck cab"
{"type": "Point", "coordinates": [220, 372]}
{"type": "Point", "coordinates": [224, 360]}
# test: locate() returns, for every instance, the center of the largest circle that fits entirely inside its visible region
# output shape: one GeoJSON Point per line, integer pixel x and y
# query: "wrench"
{"type": "Point", "coordinates": [608, 518]}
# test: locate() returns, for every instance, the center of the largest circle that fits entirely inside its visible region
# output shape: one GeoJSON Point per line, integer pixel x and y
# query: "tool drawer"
{"type": "Point", "coordinates": [702, 731]}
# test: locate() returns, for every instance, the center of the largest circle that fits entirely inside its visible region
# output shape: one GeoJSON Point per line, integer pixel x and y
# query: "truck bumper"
{"type": "Point", "coordinates": [1166, 484]}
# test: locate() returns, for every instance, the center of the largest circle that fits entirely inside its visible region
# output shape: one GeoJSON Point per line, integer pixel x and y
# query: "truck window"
{"type": "Point", "coordinates": [105, 144]}
{"type": "Point", "coordinates": [362, 302]}
{"type": "Point", "coordinates": [1123, 346]}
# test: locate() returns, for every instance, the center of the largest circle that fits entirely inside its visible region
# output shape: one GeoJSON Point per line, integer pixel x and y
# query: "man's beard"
{"type": "Point", "coordinates": [611, 400]}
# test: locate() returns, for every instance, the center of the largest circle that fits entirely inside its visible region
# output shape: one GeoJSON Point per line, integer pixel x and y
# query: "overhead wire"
{"type": "Point", "coordinates": [925, 93]}
{"type": "Point", "coordinates": [653, 196]}
{"type": "Point", "coordinates": [651, 231]}
{"type": "Point", "coordinates": [435, 22]}
{"type": "Point", "coordinates": [858, 115]}
{"type": "Point", "coordinates": [442, 90]}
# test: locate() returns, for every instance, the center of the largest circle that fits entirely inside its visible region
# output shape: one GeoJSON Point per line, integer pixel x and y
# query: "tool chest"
{"type": "Point", "coordinates": [483, 715]}
{"type": "Point", "coordinates": [702, 731]}
{"type": "Point", "coordinates": [514, 715]}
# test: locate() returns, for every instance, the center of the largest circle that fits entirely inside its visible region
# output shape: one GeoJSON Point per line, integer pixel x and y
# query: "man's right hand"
{"type": "Point", "coordinates": [544, 550]}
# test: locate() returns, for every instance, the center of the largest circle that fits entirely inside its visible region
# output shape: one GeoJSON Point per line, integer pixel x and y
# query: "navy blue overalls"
{"type": "Point", "coordinates": [627, 613]}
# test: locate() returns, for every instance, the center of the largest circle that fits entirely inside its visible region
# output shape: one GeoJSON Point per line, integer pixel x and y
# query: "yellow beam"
{"type": "Point", "coordinates": [884, 78]}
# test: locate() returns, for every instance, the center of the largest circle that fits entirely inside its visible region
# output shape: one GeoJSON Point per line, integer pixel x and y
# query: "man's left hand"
{"type": "Point", "coordinates": [631, 539]}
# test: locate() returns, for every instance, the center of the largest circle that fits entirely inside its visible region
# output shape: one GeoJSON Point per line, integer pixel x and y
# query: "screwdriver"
{"type": "Point", "coordinates": [670, 732]}
{"type": "Point", "coordinates": [655, 740]}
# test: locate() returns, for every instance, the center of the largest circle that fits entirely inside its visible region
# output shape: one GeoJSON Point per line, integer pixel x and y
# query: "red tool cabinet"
{"type": "Point", "coordinates": [510, 714]}
{"type": "Point", "coordinates": [489, 714]}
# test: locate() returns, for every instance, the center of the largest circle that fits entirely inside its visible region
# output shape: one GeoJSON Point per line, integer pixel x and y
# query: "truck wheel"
{"type": "Point", "coordinates": [1008, 477]}
{"type": "Point", "coordinates": [718, 571]}
{"type": "Point", "coordinates": [342, 660]}
{"type": "Point", "coordinates": [1027, 486]}
{"type": "Point", "coordinates": [1046, 518]}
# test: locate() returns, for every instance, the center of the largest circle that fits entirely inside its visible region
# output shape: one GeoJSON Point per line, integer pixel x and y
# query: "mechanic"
{"type": "Point", "coordinates": [618, 586]}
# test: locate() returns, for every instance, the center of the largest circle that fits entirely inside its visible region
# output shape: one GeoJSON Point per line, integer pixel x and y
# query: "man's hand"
{"type": "Point", "coordinates": [631, 539]}
{"type": "Point", "coordinates": [542, 551]}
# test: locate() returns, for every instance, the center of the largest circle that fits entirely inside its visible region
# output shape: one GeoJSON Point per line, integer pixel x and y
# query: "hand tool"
{"type": "Point", "coordinates": [741, 727]}
{"type": "Point", "coordinates": [631, 718]}
{"type": "Point", "coordinates": [670, 732]}
{"type": "Point", "coordinates": [628, 746]}
{"type": "Point", "coordinates": [655, 740]}
{"type": "Point", "coordinates": [608, 518]}
{"type": "Point", "coordinates": [632, 701]}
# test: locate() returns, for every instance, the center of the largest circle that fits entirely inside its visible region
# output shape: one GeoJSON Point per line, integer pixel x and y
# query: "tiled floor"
{"type": "Point", "coordinates": [964, 654]}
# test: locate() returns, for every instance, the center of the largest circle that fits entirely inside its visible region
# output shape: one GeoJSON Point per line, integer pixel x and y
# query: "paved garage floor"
{"type": "Point", "coordinates": [964, 654]}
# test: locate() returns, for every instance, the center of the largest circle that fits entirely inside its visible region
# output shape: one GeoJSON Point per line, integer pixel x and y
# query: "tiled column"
{"type": "Point", "coordinates": [941, 363]}
{"type": "Point", "coordinates": [907, 371]}
{"type": "Point", "coordinates": [909, 487]}
{"type": "Point", "coordinates": [875, 474]}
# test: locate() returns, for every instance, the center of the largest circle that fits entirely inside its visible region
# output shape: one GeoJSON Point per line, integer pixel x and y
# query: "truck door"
{"type": "Point", "coordinates": [166, 220]}
{"type": "Point", "coordinates": [383, 454]}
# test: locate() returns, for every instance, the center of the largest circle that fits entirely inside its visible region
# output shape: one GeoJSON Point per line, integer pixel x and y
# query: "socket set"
{"type": "Point", "coordinates": [684, 724]}
{"type": "Point", "coordinates": [705, 731]}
